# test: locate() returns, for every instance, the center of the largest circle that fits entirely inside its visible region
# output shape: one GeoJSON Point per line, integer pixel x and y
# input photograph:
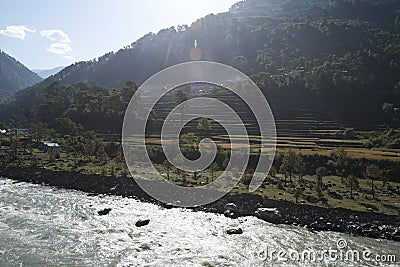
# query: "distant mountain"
{"type": "Point", "coordinates": [14, 76]}
{"type": "Point", "coordinates": [340, 58]}
{"type": "Point", "coordinates": [47, 72]}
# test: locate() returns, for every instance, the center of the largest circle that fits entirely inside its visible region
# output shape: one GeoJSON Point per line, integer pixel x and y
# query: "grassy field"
{"type": "Point", "coordinates": [335, 193]}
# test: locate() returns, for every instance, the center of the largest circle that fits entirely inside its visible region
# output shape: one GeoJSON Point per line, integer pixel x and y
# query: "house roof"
{"type": "Point", "coordinates": [50, 144]}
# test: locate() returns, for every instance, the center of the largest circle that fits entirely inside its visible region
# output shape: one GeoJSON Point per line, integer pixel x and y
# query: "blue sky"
{"type": "Point", "coordinates": [47, 33]}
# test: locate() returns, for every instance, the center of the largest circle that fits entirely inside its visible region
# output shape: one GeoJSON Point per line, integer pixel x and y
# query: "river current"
{"type": "Point", "coordinates": [47, 226]}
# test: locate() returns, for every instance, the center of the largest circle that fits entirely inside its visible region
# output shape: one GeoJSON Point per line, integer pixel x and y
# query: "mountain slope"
{"type": "Point", "coordinates": [339, 58]}
{"type": "Point", "coordinates": [14, 76]}
{"type": "Point", "coordinates": [47, 72]}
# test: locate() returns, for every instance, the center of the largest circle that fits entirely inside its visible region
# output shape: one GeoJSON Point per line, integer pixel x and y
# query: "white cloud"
{"type": "Point", "coordinates": [56, 36]}
{"type": "Point", "coordinates": [59, 48]}
{"type": "Point", "coordinates": [16, 31]}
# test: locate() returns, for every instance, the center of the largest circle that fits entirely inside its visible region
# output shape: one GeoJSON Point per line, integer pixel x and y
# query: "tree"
{"type": "Point", "coordinates": [183, 176]}
{"type": "Point", "coordinates": [272, 172]}
{"type": "Point", "coordinates": [52, 155]}
{"type": "Point", "coordinates": [14, 138]}
{"type": "Point", "coordinates": [127, 93]}
{"type": "Point", "coordinates": [181, 98]}
{"type": "Point", "coordinates": [397, 23]}
{"type": "Point", "coordinates": [340, 162]}
{"type": "Point", "coordinates": [373, 173]}
{"type": "Point", "coordinates": [3, 126]}
{"type": "Point", "coordinates": [167, 166]}
{"type": "Point", "coordinates": [67, 126]}
{"type": "Point", "coordinates": [75, 155]}
{"type": "Point", "coordinates": [90, 147]}
{"type": "Point", "coordinates": [283, 170]}
{"type": "Point", "coordinates": [182, 28]}
{"type": "Point", "coordinates": [289, 164]}
{"type": "Point", "coordinates": [320, 172]}
{"type": "Point", "coordinates": [179, 162]}
{"type": "Point", "coordinates": [28, 114]}
{"type": "Point", "coordinates": [130, 86]}
{"type": "Point", "coordinates": [385, 178]}
{"type": "Point", "coordinates": [300, 167]}
{"type": "Point", "coordinates": [113, 171]}
{"type": "Point", "coordinates": [213, 168]}
{"type": "Point", "coordinates": [240, 62]}
{"type": "Point", "coordinates": [352, 183]}
{"type": "Point", "coordinates": [101, 154]}
{"type": "Point", "coordinates": [235, 172]}
{"type": "Point", "coordinates": [298, 193]}
{"type": "Point", "coordinates": [39, 131]}
{"type": "Point", "coordinates": [393, 112]}
{"type": "Point", "coordinates": [204, 124]}
{"type": "Point", "coordinates": [189, 139]}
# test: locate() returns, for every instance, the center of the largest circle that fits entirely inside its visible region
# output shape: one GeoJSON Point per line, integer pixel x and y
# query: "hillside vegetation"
{"type": "Point", "coordinates": [14, 76]}
{"type": "Point", "coordinates": [334, 59]}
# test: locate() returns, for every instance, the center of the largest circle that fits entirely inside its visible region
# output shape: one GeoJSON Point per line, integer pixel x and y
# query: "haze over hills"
{"type": "Point", "coordinates": [45, 73]}
{"type": "Point", "coordinates": [317, 56]}
{"type": "Point", "coordinates": [14, 76]}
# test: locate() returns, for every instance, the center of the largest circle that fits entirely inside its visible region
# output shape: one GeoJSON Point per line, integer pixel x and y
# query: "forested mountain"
{"type": "Point", "coordinates": [14, 76]}
{"type": "Point", "coordinates": [335, 58]}
{"type": "Point", "coordinates": [47, 72]}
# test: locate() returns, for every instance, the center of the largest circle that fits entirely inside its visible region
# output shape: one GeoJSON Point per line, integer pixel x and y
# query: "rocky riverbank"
{"type": "Point", "coordinates": [368, 224]}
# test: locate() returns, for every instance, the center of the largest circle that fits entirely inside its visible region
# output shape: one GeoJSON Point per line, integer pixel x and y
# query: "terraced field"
{"type": "Point", "coordinates": [297, 129]}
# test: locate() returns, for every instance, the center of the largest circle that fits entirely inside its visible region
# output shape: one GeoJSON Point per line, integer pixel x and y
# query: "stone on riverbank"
{"type": "Point", "coordinates": [271, 215]}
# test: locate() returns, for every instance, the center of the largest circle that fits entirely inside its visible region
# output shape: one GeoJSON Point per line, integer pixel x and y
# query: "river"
{"type": "Point", "coordinates": [47, 226]}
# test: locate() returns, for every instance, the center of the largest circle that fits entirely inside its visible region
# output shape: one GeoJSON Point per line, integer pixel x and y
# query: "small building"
{"type": "Point", "coordinates": [18, 131]}
{"type": "Point", "coordinates": [46, 146]}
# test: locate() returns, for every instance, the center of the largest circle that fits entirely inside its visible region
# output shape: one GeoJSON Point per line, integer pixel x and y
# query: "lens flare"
{"type": "Point", "coordinates": [196, 54]}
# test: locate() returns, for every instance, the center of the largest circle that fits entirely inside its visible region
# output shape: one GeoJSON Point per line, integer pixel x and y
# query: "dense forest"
{"type": "Point", "coordinates": [336, 59]}
{"type": "Point", "coordinates": [94, 107]}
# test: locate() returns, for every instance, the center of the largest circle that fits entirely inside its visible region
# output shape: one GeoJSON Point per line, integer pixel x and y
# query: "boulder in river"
{"type": "Point", "coordinates": [271, 215]}
{"type": "Point", "coordinates": [234, 231]}
{"type": "Point", "coordinates": [231, 210]}
{"type": "Point", "coordinates": [104, 212]}
{"type": "Point", "coordinates": [230, 214]}
{"type": "Point", "coordinates": [141, 223]}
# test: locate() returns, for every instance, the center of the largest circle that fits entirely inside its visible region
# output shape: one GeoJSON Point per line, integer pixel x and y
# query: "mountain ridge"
{"type": "Point", "coordinates": [312, 51]}
{"type": "Point", "coordinates": [14, 76]}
